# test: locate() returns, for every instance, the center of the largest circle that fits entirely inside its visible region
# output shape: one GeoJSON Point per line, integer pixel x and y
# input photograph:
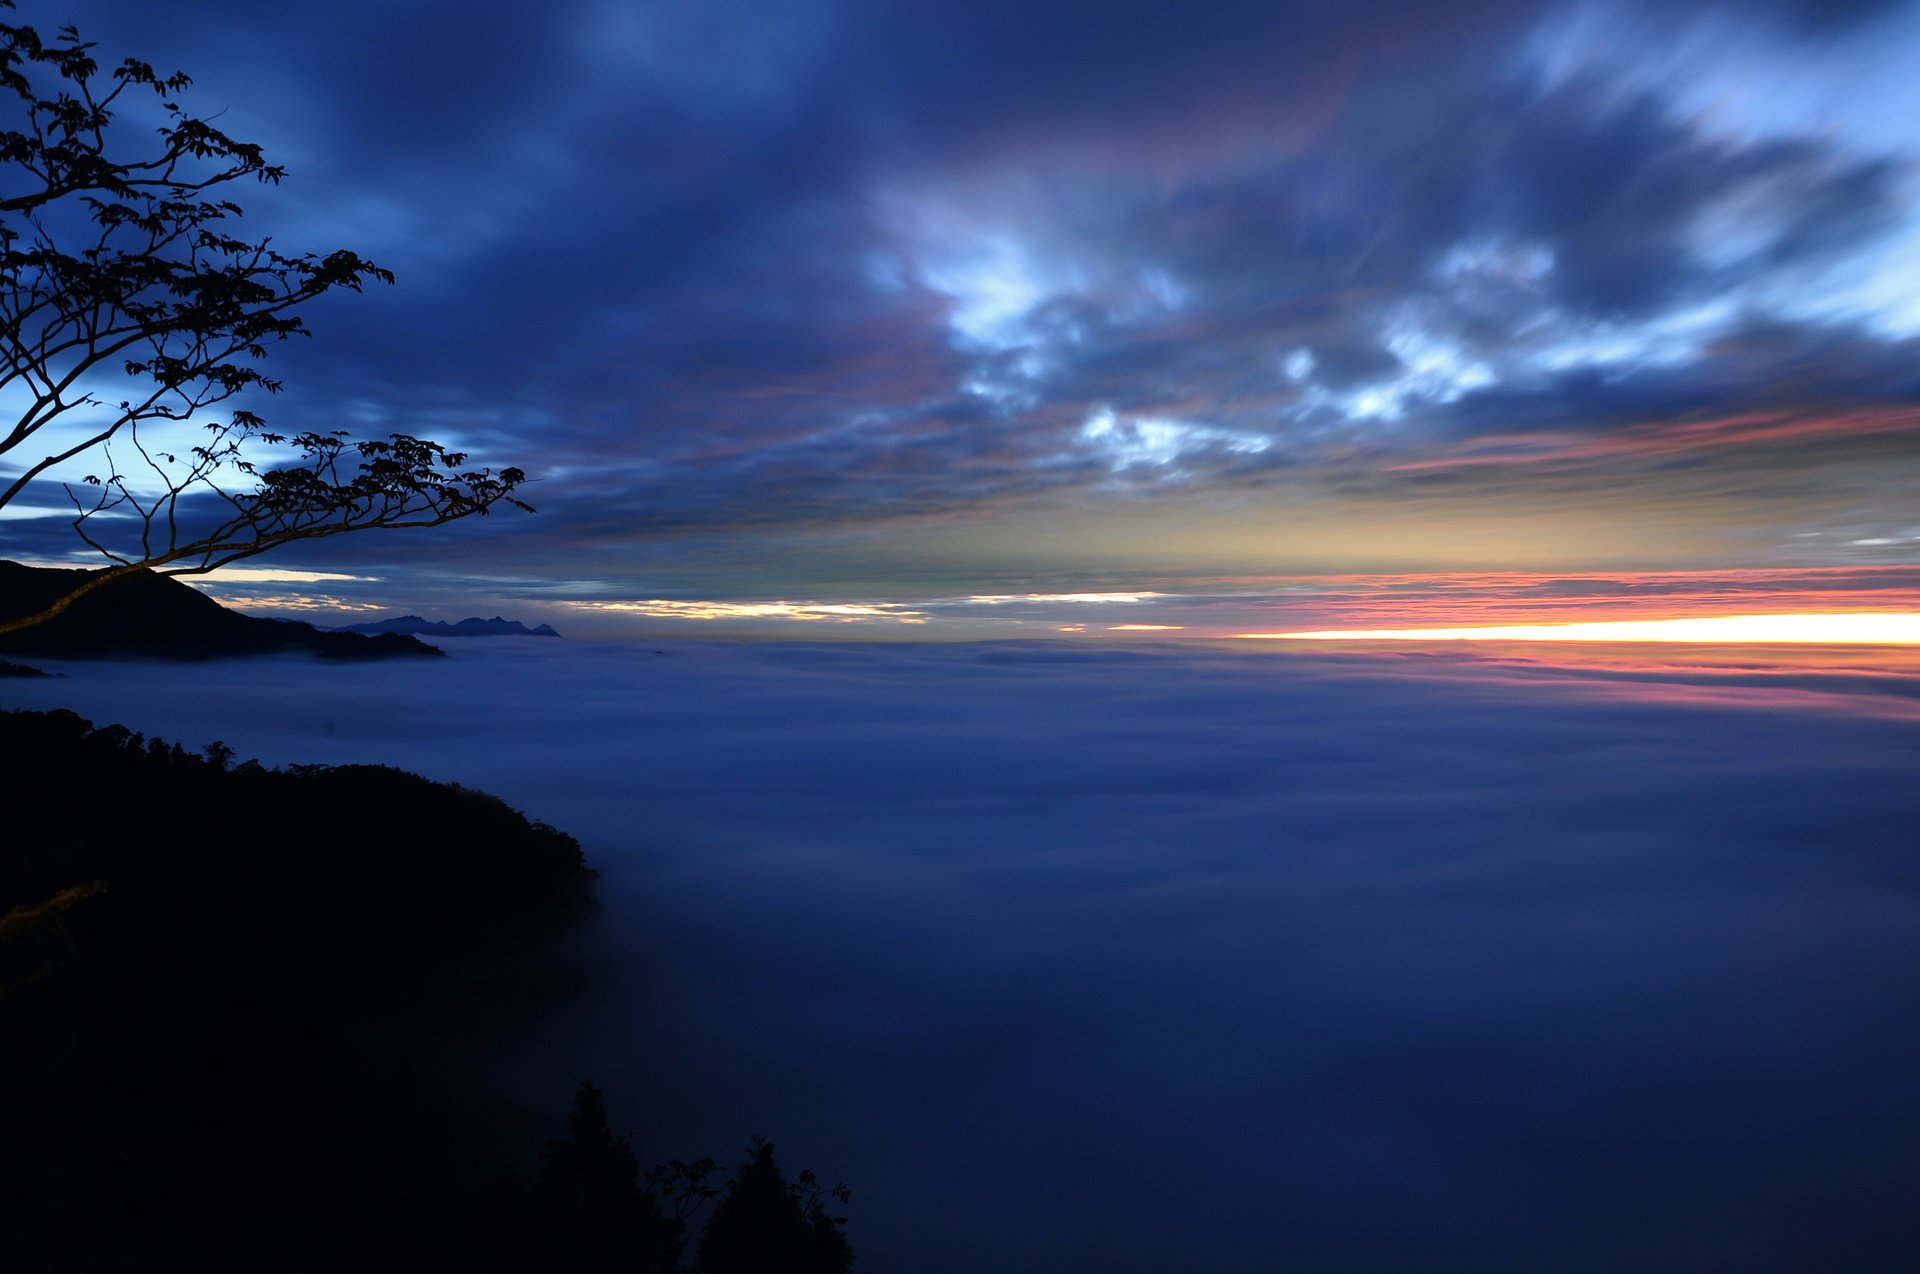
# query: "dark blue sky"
{"type": "Point", "coordinates": [840, 300]}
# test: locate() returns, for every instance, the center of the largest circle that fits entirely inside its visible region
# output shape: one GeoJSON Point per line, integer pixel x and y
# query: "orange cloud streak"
{"type": "Point", "coordinates": [1667, 438]}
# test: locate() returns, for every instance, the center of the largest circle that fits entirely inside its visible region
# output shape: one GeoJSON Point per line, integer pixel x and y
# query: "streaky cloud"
{"type": "Point", "coordinates": [1854, 629]}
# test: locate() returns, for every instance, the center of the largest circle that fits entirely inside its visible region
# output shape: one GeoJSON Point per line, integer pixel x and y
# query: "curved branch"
{"type": "Point", "coordinates": [110, 259]}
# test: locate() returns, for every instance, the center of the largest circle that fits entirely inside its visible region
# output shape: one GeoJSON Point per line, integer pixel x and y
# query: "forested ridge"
{"type": "Point", "coordinates": [212, 979]}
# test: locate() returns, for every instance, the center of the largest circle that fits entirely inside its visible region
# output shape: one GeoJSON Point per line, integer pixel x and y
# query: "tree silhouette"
{"type": "Point", "coordinates": [587, 1210]}
{"type": "Point", "coordinates": [118, 260]}
{"type": "Point", "coordinates": [764, 1226]}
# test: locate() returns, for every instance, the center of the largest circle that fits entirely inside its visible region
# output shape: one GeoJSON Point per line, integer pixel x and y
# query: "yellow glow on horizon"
{"type": "Point", "coordinates": [1863, 629]}
{"type": "Point", "coordinates": [319, 603]}
{"type": "Point", "coordinates": [270, 575]}
{"type": "Point", "coordinates": [1096, 599]}
{"type": "Point", "coordinates": [905, 612]}
{"type": "Point", "coordinates": [842, 612]}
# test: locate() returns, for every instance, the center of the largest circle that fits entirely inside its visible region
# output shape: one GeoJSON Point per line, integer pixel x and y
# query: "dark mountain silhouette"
{"type": "Point", "coordinates": [149, 614]}
{"type": "Point", "coordinates": [216, 981]}
{"type": "Point", "coordinates": [237, 1005]}
{"type": "Point", "coordinates": [472, 627]}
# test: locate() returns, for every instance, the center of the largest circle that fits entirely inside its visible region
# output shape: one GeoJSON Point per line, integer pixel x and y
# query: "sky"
{"type": "Point", "coordinates": [1076, 957]}
{"type": "Point", "coordinates": [843, 304]}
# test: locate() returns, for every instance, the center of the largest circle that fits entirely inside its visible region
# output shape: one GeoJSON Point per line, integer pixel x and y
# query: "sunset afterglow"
{"type": "Point", "coordinates": [1839, 630]}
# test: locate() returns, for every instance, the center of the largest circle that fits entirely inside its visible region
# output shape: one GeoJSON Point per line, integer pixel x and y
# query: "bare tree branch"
{"type": "Point", "coordinates": [120, 263]}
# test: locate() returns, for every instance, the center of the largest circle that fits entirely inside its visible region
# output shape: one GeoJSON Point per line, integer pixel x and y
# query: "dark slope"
{"type": "Point", "coordinates": [151, 615]}
{"type": "Point", "coordinates": [215, 984]}
{"type": "Point", "coordinates": [207, 977]}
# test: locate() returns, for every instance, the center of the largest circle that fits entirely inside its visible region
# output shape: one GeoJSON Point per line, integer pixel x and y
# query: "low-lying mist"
{"type": "Point", "coordinates": [1181, 958]}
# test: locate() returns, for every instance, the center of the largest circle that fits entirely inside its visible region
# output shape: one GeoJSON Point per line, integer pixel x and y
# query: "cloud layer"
{"type": "Point", "coordinates": [745, 285]}
{"type": "Point", "coordinates": [1121, 960]}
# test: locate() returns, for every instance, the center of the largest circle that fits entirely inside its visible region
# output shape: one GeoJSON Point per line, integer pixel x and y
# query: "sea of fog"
{"type": "Point", "coordinates": [1083, 959]}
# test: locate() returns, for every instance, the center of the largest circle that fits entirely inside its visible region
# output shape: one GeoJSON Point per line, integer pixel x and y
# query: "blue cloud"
{"type": "Point", "coordinates": [853, 264]}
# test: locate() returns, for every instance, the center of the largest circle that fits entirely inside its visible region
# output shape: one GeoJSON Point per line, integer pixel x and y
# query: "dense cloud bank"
{"type": "Point", "coordinates": [1178, 958]}
{"type": "Point", "coordinates": [746, 285]}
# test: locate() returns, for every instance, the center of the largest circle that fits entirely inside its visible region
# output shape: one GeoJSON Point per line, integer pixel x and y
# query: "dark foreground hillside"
{"type": "Point", "coordinates": [192, 959]}
{"type": "Point", "coordinates": [152, 615]}
{"type": "Point", "coordinates": [213, 985]}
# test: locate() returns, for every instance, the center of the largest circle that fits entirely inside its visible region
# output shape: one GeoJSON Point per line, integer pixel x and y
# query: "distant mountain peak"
{"type": "Point", "coordinates": [473, 626]}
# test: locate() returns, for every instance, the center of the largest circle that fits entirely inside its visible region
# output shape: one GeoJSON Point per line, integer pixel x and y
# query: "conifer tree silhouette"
{"type": "Point", "coordinates": [589, 1210]}
{"type": "Point", "coordinates": [762, 1225]}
